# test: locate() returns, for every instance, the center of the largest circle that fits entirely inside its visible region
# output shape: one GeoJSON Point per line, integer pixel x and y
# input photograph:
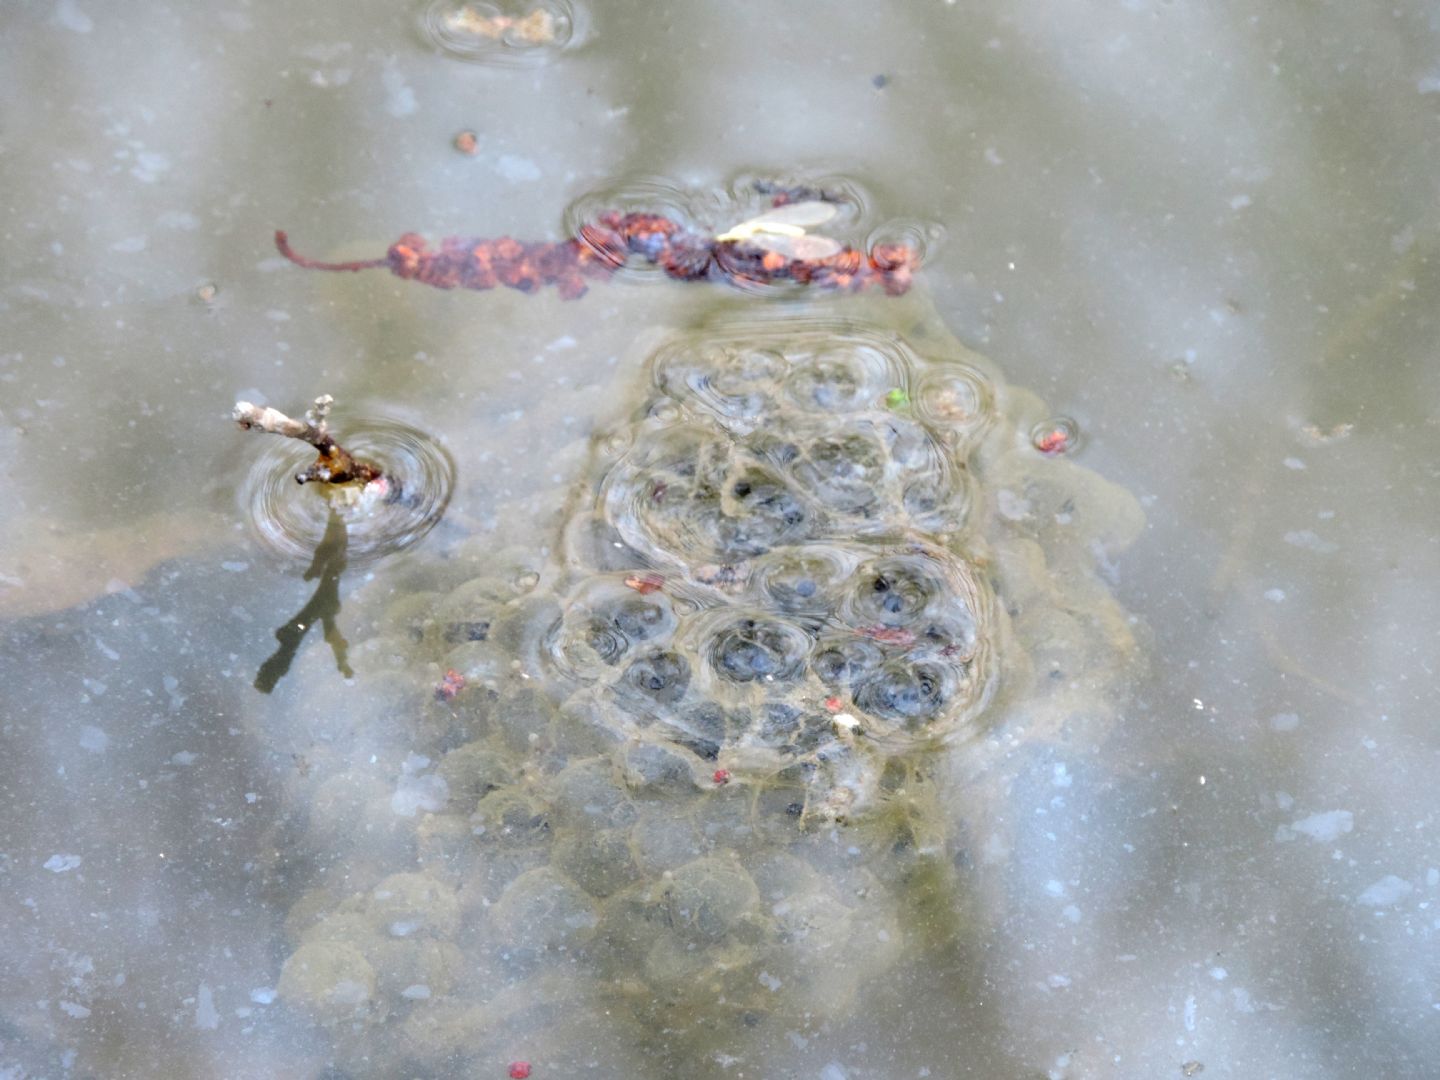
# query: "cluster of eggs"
{"type": "Point", "coordinates": [789, 512]}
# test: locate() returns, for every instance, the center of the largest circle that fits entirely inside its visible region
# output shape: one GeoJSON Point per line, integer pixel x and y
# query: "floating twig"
{"type": "Point", "coordinates": [335, 464]}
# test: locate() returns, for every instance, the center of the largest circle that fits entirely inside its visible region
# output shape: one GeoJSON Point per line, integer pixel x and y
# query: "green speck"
{"type": "Point", "coordinates": [897, 398]}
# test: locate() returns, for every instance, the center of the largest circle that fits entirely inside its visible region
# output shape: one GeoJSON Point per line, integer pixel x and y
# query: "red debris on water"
{"type": "Point", "coordinates": [721, 777]}
{"type": "Point", "coordinates": [1052, 442]}
{"type": "Point", "coordinates": [450, 685]}
{"type": "Point", "coordinates": [519, 1070]}
{"type": "Point", "coordinates": [1054, 436]}
{"type": "Point", "coordinates": [613, 239]}
{"type": "Point", "coordinates": [834, 704]}
{"type": "Point", "coordinates": [645, 584]}
{"type": "Point", "coordinates": [889, 635]}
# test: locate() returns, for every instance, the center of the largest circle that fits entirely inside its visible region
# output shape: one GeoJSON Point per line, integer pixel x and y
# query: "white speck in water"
{"type": "Point", "coordinates": [1326, 826]}
{"type": "Point", "coordinates": [992, 156]}
{"type": "Point", "coordinates": [1428, 84]}
{"type": "Point", "coordinates": [72, 1009]}
{"type": "Point", "coordinates": [93, 739]}
{"type": "Point", "coordinates": [418, 992]}
{"type": "Point", "coordinates": [415, 792]}
{"type": "Point", "coordinates": [68, 16]}
{"type": "Point", "coordinates": [1305, 538]}
{"type": "Point", "coordinates": [517, 169]}
{"type": "Point", "coordinates": [1060, 776]}
{"type": "Point", "coordinates": [1239, 202]}
{"type": "Point", "coordinates": [263, 995]}
{"type": "Point", "coordinates": [1219, 974]}
{"type": "Point", "coordinates": [58, 864]}
{"type": "Point", "coordinates": [770, 982]}
{"type": "Point", "coordinates": [833, 1071]}
{"type": "Point", "coordinates": [1294, 463]}
{"type": "Point", "coordinates": [1275, 596]}
{"type": "Point", "coordinates": [399, 97]}
{"type": "Point", "coordinates": [184, 757]}
{"type": "Point", "coordinates": [1071, 913]}
{"type": "Point", "coordinates": [1190, 1013]}
{"type": "Point", "coordinates": [1285, 721]}
{"type": "Point", "coordinates": [1012, 506]}
{"type": "Point", "coordinates": [130, 245]}
{"type": "Point", "coordinates": [1385, 892]}
{"type": "Point", "coordinates": [1058, 982]}
{"type": "Point", "coordinates": [235, 567]}
{"type": "Point", "coordinates": [149, 166]}
{"type": "Point", "coordinates": [1055, 888]}
{"type": "Point", "coordinates": [207, 1017]}
{"type": "Point", "coordinates": [1432, 877]}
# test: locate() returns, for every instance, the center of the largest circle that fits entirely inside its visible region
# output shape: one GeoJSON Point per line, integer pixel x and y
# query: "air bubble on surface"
{"type": "Point", "coordinates": [1058, 435]}
{"type": "Point", "coordinates": [657, 678]}
{"type": "Point", "coordinates": [938, 502]}
{"type": "Point", "coordinates": [688, 496]}
{"type": "Point", "coordinates": [605, 623]}
{"type": "Point", "coordinates": [844, 470]}
{"type": "Point", "coordinates": [589, 540]}
{"type": "Point", "coordinates": [923, 238]}
{"type": "Point", "coordinates": [895, 592]}
{"type": "Point", "coordinates": [843, 660]}
{"type": "Point", "coordinates": [751, 647]}
{"type": "Point", "coordinates": [290, 519]}
{"type": "Point", "coordinates": [801, 580]}
{"type": "Point", "coordinates": [502, 34]}
{"type": "Point", "coordinates": [666, 201]}
{"type": "Point", "coordinates": [908, 693]}
{"type": "Point", "coordinates": [954, 398]}
{"type": "Point", "coordinates": [841, 378]}
{"type": "Point", "coordinates": [736, 385]}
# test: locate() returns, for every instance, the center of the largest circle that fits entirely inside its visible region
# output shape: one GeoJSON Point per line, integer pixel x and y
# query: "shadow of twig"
{"type": "Point", "coordinates": [324, 605]}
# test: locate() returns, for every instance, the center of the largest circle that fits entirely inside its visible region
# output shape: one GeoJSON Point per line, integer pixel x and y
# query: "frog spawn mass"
{"type": "Point", "coordinates": [789, 599]}
{"type": "Point", "coordinates": [772, 602]}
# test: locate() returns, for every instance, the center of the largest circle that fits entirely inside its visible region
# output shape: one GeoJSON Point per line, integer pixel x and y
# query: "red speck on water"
{"type": "Point", "coordinates": [1052, 442]}
{"type": "Point", "coordinates": [889, 635]}
{"type": "Point", "coordinates": [519, 1070]}
{"type": "Point", "coordinates": [1055, 436]}
{"type": "Point", "coordinates": [722, 776]}
{"type": "Point", "coordinates": [645, 584]}
{"type": "Point", "coordinates": [833, 704]}
{"type": "Point", "coordinates": [449, 686]}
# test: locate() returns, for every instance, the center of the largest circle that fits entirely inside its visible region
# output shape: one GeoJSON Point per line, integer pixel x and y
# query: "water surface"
{"type": "Point", "coordinates": [1204, 233]}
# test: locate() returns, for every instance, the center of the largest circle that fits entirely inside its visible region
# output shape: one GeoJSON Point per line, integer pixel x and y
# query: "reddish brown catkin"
{"type": "Point", "coordinates": [610, 242]}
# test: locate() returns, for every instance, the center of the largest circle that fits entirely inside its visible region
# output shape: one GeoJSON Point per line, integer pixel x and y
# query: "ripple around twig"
{"type": "Point", "coordinates": [290, 519]}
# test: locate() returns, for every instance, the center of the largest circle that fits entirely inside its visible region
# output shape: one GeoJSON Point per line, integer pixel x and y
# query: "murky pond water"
{"type": "Point", "coordinates": [767, 701]}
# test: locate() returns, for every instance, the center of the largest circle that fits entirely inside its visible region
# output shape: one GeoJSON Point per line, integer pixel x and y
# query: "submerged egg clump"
{"type": "Point", "coordinates": [689, 772]}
